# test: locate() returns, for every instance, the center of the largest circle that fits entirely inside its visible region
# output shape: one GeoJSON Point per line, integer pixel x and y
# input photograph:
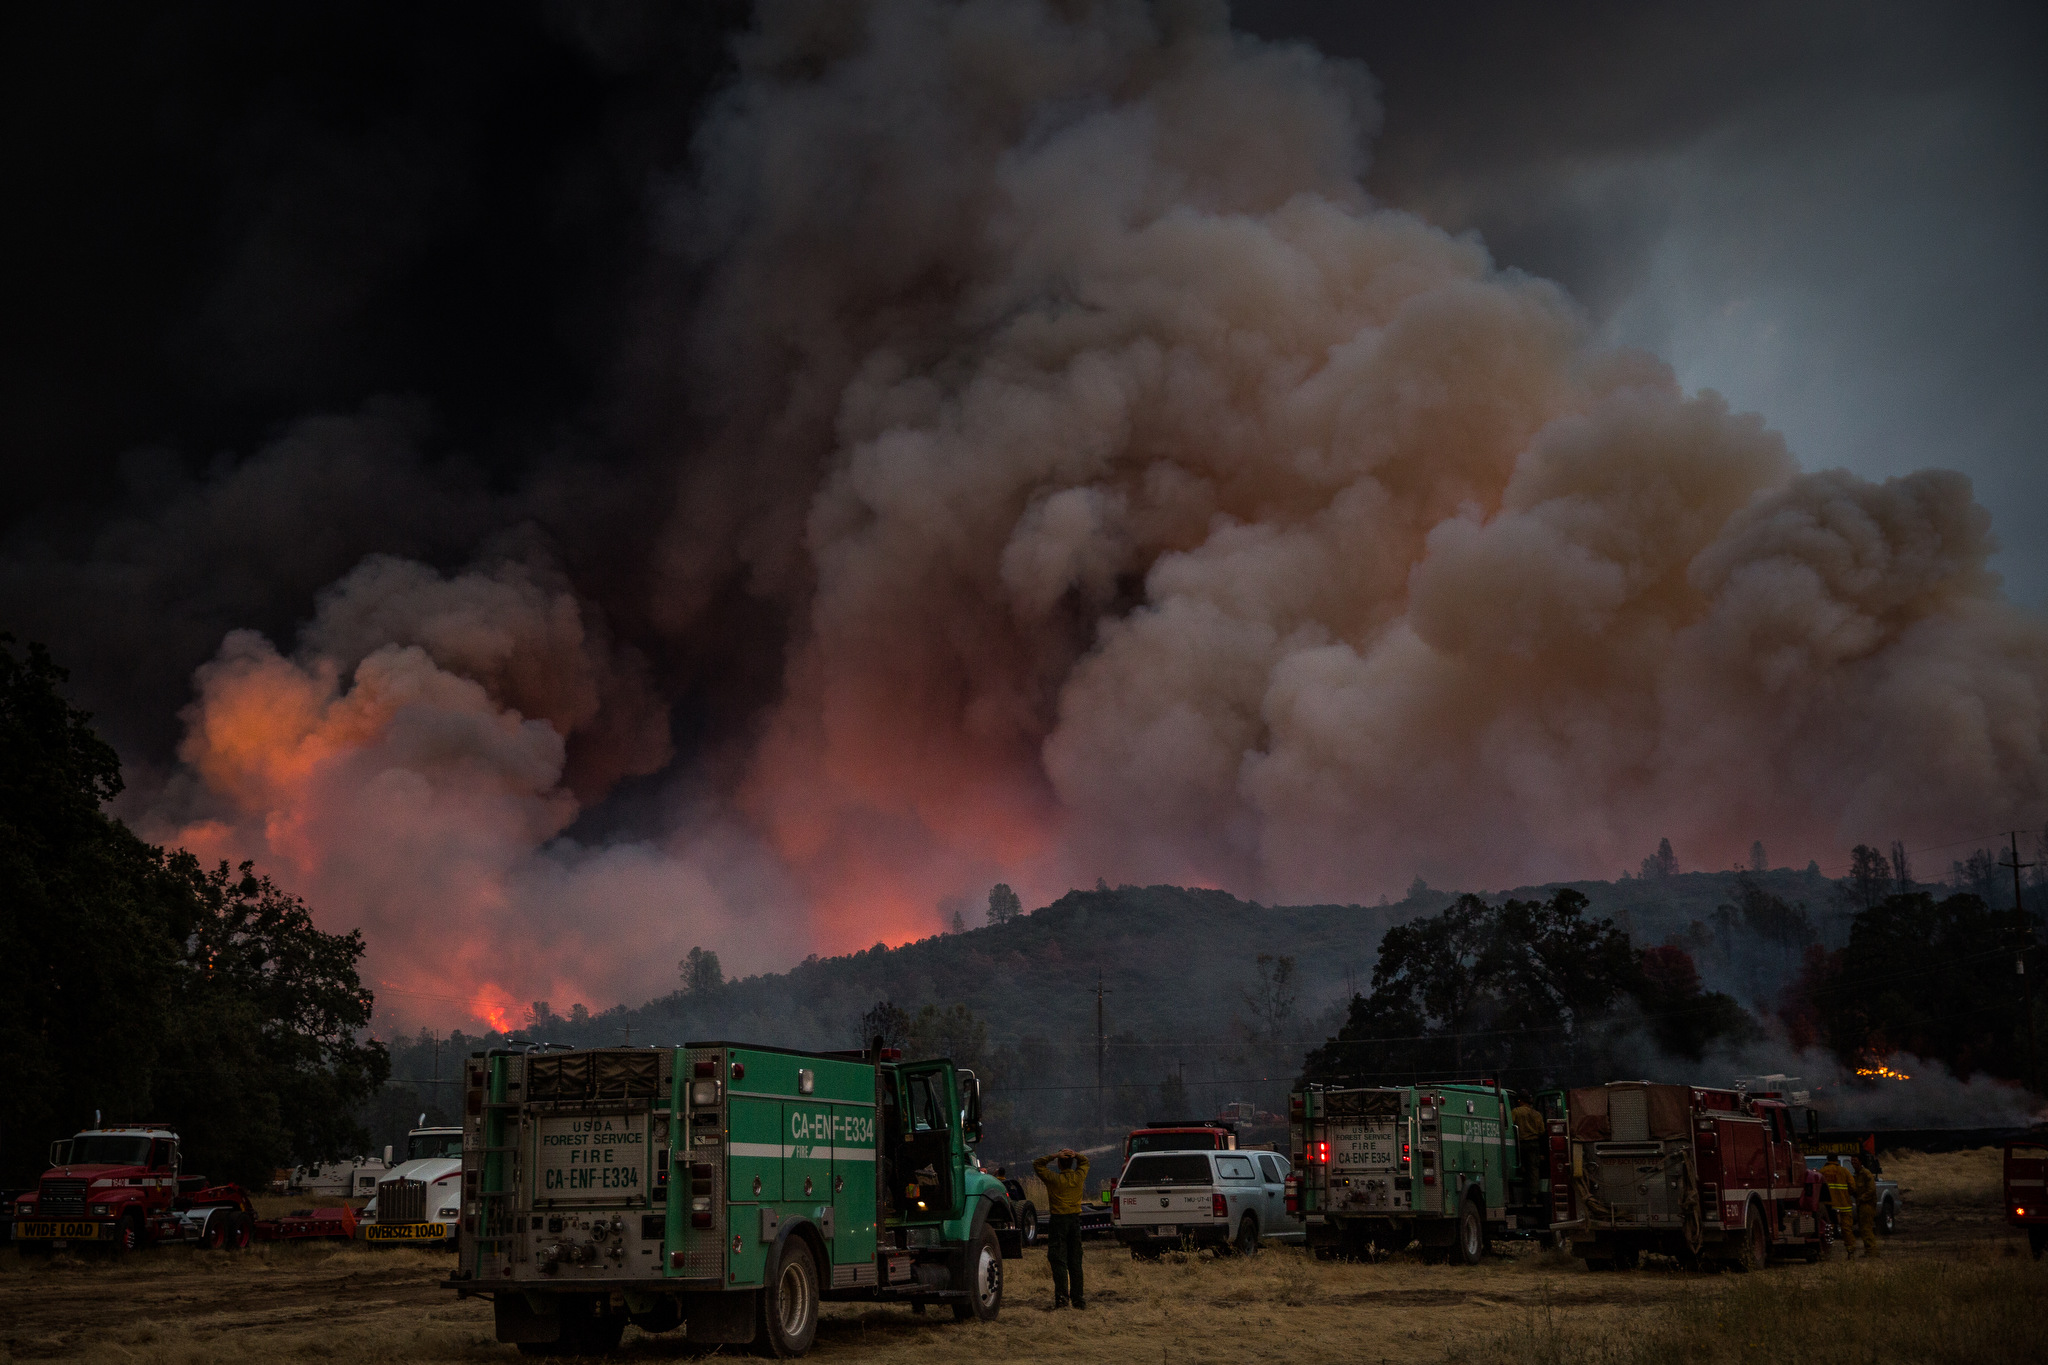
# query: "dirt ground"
{"type": "Point", "coordinates": [322, 1302]}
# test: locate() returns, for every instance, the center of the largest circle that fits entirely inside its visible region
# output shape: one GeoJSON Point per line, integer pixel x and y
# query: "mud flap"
{"type": "Point", "coordinates": [1011, 1240]}
{"type": "Point", "coordinates": [720, 1319]}
{"type": "Point", "coordinates": [527, 1317]}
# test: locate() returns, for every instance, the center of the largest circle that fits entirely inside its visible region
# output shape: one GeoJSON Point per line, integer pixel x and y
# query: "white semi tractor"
{"type": "Point", "coordinates": [420, 1199]}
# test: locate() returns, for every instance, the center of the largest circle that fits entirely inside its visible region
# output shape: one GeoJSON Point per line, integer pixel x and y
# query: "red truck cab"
{"type": "Point", "coordinates": [1181, 1135]}
{"type": "Point", "coordinates": [108, 1187]}
{"type": "Point", "coordinates": [2026, 1188]}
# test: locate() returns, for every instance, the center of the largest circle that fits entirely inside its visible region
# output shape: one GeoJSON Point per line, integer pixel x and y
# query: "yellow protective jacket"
{"type": "Point", "coordinates": [1864, 1186]}
{"type": "Point", "coordinates": [1064, 1190]}
{"type": "Point", "coordinates": [1838, 1185]}
{"type": "Point", "coordinates": [1528, 1122]}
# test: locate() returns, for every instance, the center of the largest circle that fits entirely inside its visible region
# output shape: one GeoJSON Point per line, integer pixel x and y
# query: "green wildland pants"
{"type": "Point", "coordinates": [1063, 1249]}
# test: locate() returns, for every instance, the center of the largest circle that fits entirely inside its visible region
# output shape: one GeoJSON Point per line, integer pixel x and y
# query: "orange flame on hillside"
{"type": "Point", "coordinates": [1882, 1072]}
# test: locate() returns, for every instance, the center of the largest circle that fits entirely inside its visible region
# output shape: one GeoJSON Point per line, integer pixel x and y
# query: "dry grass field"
{"type": "Point", "coordinates": [1953, 1286]}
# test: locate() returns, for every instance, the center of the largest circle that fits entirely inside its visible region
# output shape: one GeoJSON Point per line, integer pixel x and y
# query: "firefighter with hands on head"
{"type": "Point", "coordinates": [1863, 1185]}
{"type": "Point", "coordinates": [1065, 1174]}
{"type": "Point", "coordinates": [1839, 1201]}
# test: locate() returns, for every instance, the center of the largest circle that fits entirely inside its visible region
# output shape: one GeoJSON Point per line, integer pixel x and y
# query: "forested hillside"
{"type": "Point", "coordinates": [1193, 1019]}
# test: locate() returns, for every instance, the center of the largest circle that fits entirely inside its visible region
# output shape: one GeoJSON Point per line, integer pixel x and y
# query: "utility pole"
{"type": "Point", "coordinates": [2026, 933]}
{"type": "Point", "coordinates": [1101, 1053]}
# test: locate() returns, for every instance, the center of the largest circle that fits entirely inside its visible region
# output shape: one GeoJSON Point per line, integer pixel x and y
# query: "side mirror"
{"type": "Point", "coordinates": [60, 1152]}
{"type": "Point", "coordinates": [970, 1103]}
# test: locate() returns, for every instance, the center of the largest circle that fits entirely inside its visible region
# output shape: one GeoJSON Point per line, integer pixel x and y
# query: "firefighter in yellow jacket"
{"type": "Point", "coordinates": [1839, 1201]}
{"type": "Point", "coordinates": [1065, 1174]}
{"type": "Point", "coordinates": [1863, 1185]}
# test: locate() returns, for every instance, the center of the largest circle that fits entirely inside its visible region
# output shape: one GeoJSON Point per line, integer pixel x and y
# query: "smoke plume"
{"type": "Point", "coordinates": [1146, 503]}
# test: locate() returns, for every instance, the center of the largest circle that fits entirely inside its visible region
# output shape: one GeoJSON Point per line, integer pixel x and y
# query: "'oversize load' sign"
{"type": "Point", "coordinates": [590, 1160]}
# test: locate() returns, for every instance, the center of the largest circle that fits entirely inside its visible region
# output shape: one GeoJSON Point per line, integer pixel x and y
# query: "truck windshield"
{"type": "Point", "coordinates": [421, 1146]}
{"type": "Point", "coordinates": [97, 1150]}
{"type": "Point", "coordinates": [1173, 1142]}
{"type": "Point", "coordinates": [1191, 1169]}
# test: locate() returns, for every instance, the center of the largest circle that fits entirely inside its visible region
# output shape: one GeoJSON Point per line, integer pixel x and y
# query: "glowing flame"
{"type": "Point", "coordinates": [1882, 1072]}
{"type": "Point", "coordinates": [492, 1013]}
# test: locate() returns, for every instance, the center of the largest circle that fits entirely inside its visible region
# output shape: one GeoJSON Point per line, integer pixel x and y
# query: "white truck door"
{"type": "Point", "coordinates": [1273, 1199]}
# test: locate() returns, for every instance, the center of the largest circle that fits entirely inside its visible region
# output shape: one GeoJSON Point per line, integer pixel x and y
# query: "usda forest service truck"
{"type": "Point", "coordinates": [1386, 1166]}
{"type": "Point", "coordinates": [722, 1188]}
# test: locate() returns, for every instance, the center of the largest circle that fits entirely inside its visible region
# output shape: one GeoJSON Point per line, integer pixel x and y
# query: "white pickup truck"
{"type": "Point", "coordinates": [1225, 1200]}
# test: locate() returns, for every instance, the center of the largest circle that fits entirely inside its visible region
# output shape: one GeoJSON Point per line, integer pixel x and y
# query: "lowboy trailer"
{"type": "Point", "coordinates": [724, 1188]}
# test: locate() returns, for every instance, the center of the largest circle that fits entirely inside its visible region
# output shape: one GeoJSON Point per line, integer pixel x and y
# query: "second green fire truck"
{"type": "Point", "coordinates": [724, 1189]}
{"type": "Point", "coordinates": [1436, 1164]}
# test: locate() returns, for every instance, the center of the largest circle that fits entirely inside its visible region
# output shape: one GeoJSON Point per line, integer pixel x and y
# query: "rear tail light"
{"type": "Point", "coordinates": [1294, 1194]}
{"type": "Point", "coordinates": [1218, 1207]}
{"type": "Point", "coordinates": [1319, 1151]}
{"type": "Point", "coordinates": [700, 1220]}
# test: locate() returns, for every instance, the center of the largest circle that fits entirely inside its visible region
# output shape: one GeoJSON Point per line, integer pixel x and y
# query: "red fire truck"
{"type": "Point", "coordinates": [2026, 1188]}
{"type": "Point", "coordinates": [1690, 1172]}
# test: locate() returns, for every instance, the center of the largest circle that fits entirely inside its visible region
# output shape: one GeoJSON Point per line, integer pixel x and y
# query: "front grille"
{"type": "Point", "coordinates": [402, 1201]}
{"type": "Point", "coordinates": [62, 1199]}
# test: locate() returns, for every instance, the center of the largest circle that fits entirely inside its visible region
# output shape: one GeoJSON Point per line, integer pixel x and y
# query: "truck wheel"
{"type": "Point", "coordinates": [788, 1313]}
{"type": "Point", "coordinates": [1887, 1217]}
{"type": "Point", "coordinates": [214, 1235]}
{"type": "Point", "coordinates": [984, 1281]}
{"type": "Point", "coordinates": [1027, 1225]}
{"type": "Point", "coordinates": [1247, 1241]}
{"type": "Point", "coordinates": [2037, 1239]}
{"type": "Point", "coordinates": [128, 1235]}
{"type": "Point", "coordinates": [241, 1231]}
{"type": "Point", "coordinates": [1754, 1249]}
{"type": "Point", "coordinates": [1471, 1243]}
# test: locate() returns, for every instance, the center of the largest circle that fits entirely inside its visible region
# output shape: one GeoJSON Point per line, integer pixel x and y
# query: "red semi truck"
{"type": "Point", "coordinates": [120, 1189]}
{"type": "Point", "coordinates": [1695, 1173]}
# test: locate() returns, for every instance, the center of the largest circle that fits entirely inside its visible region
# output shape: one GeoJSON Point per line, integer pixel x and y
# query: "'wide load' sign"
{"type": "Point", "coordinates": [587, 1159]}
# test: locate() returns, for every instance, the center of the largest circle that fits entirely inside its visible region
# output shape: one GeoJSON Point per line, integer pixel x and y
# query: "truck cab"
{"type": "Point", "coordinates": [106, 1187]}
{"type": "Point", "coordinates": [724, 1188]}
{"type": "Point", "coordinates": [420, 1199]}
{"type": "Point", "coordinates": [1181, 1135]}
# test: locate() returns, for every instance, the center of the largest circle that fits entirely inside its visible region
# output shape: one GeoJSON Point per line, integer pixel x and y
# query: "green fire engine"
{"type": "Point", "coordinates": [721, 1188]}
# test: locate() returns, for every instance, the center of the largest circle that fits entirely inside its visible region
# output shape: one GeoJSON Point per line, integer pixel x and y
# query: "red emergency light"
{"type": "Point", "coordinates": [1319, 1151]}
